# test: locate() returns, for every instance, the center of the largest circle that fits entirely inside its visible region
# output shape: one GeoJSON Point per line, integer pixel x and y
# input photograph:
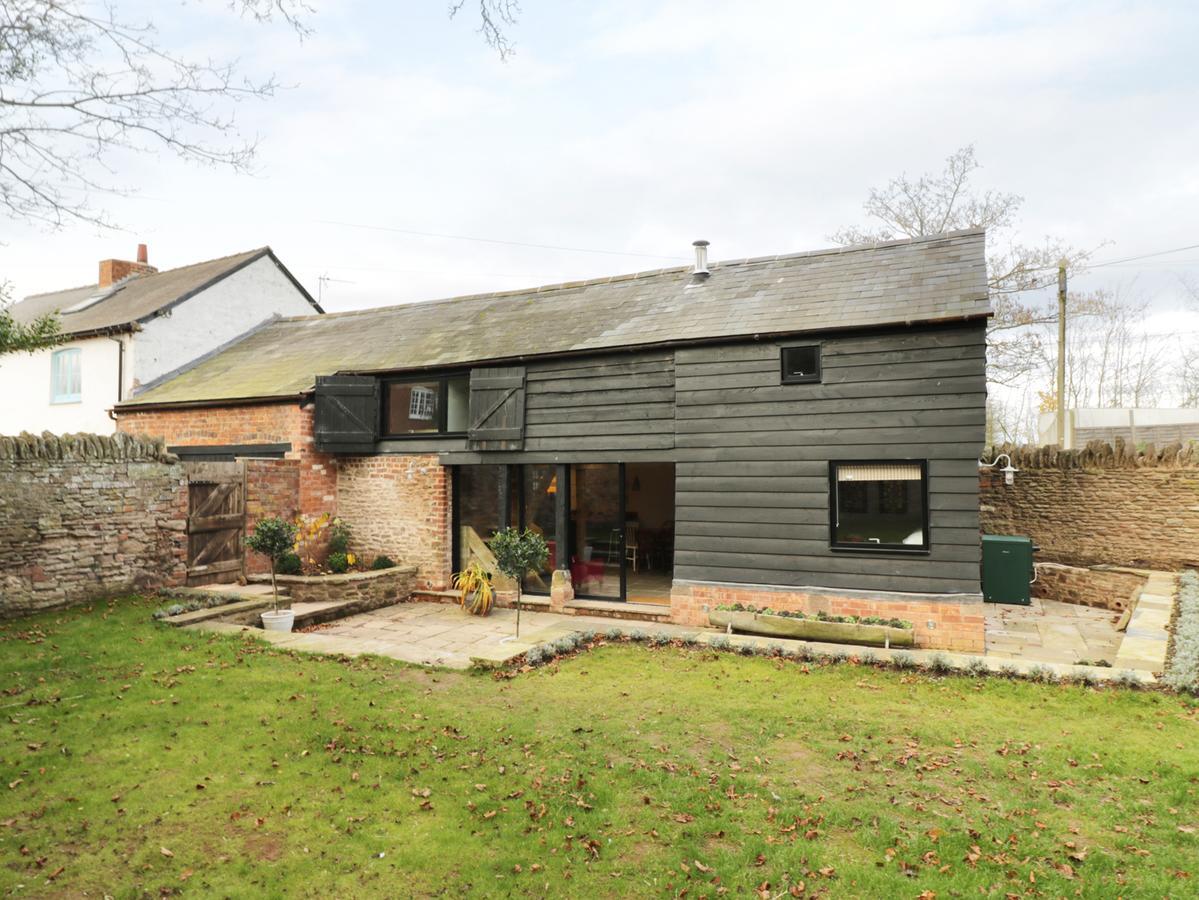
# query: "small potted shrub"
{"type": "Point", "coordinates": [476, 595]}
{"type": "Point", "coordinates": [516, 553]}
{"type": "Point", "coordinates": [274, 539]}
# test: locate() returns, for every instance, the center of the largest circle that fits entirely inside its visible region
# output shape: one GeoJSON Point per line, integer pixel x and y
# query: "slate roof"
{"type": "Point", "coordinates": [137, 299]}
{"type": "Point", "coordinates": [940, 278]}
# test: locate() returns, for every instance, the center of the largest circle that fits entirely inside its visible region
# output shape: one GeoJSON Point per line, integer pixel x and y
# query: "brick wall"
{"type": "Point", "coordinates": [1101, 588]}
{"type": "Point", "coordinates": [260, 423]}
{"type": "Point", "coordinates": [1103, 505]}
{"type": "Point", "coordinates": [399, 505]}
{"type": "Point", "coordinates": [83, 516]}
{"type": "Point", "coordinates": [272, 489]}
{"type": "Point", "coordinates": [944, 622]}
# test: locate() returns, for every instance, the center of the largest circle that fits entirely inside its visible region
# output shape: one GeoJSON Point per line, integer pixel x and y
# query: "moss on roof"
{"type": "Point", "coordinates": [920, 280]}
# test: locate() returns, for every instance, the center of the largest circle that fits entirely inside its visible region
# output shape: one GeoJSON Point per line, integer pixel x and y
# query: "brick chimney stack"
{"type": "Point", "coordinates": [114, 270]}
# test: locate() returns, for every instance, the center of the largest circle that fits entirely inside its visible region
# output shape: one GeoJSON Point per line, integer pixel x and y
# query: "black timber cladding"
{"type": "Point", "coordinates": [751, 454]}
{"type": "Point", "coordinates": [623, 402]}
{"type": "Point", "coordinates": [752, 490]}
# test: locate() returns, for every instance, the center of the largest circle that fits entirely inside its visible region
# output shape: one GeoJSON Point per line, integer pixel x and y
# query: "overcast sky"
{"type": "Point", "coordinates": [637, 127]}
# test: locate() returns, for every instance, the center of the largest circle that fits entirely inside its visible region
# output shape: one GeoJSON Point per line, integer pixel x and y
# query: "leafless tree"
{"type": "Point", "coordinates": [937, 202]}
{"type": "Point", "coordinates": [1187, 365]}
{"type": "Point", "coordinates": [79, 84]}
{"type": "Point", "coordinates": [1111, 359]}
{"type": "Point", "coordinates": [496, 17]}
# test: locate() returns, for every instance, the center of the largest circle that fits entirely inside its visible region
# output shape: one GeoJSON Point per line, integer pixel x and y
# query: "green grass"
{"type": "Point", "coordinates": [139, 759]}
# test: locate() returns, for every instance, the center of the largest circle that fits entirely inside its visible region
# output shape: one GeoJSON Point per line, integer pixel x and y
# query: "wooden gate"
{"type": "Point", "coordinates": [216, 518]}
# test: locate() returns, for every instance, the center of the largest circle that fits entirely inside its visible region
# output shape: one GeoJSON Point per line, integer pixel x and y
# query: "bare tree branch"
{"type": "Point", "coordinates": [78, 84]}
{"type": "Point", "coordinates": [495, 18]}
{"type": "Point", "coordinates": [944, 201]}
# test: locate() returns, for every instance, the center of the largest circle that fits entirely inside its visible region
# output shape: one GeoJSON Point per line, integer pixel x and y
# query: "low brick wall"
{"type": "Point", "coordinates": [373, 588]}
{"type": "Point", "coordinates": [942, 622]}
{"type": "Point", "coordinates": [1101, 588]}
{"type": "Point", "coordinates": [84, 515]}
{"type": "Point", "coordinates": [400, 506]}
{"type": "Point", "coordinates": [1103, 505]}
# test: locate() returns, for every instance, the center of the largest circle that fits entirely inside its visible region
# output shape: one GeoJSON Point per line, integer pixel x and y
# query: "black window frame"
{"type": "Point", "coordinates": [815, 378]}
{"type": "Point", "coordinates": [858, 547]}
{"type": "Point", "coordinates": [443, 407]}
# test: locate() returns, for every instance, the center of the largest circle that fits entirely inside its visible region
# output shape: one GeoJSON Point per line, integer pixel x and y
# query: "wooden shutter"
{"type": "Point", "coordinates": [347, 413]}
{"type": "Point", "coordinates": [497, 408]}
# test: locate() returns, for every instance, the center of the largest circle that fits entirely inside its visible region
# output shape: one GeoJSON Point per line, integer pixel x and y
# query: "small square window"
{"type": "Point", "coordinates": [879, 505]}
{"type": "Point", "coordinates": [65, 376]}
{"type": "Point", "coordinates": [801, 364]}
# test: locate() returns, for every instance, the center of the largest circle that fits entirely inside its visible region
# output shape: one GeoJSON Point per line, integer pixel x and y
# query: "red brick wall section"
{"type": "Point", "coordinates": [399, 505]}
{"type": "Point", "coordinates": [261, 423]}
{"type": "Point", "coordinates": [953, 622]}
{"type": "Point", "coordinates": [272, 489]}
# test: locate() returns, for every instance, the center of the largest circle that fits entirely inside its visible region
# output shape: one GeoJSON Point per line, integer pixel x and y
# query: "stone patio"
{"type": "Point", "coordinates": [1055, 635]}
{"type": "Point", "coordinates": [1052, 632]}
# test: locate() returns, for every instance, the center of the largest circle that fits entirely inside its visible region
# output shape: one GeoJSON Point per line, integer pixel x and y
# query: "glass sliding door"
{"type": "Point", "coordinates": [597, 528]}
{"type": "Point", "coordinates": [479, 497]}
{"type": "Point", "coordinates": [539, 492]}
{"type": "Point", "coordinates": [619, 523]}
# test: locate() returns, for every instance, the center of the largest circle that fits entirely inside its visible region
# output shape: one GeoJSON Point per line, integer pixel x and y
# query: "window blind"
{"type": "Point", "coordinates": [879, 472]}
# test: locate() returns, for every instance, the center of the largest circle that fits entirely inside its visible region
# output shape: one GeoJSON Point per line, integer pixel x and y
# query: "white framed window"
{"type": "Point", "coordinates": [422, 403]}
{"type": "Point", "coordinates": [65, 376]}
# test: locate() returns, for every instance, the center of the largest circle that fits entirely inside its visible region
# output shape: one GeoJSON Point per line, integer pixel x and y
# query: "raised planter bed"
{"type": "Point", "coordinates": [379, 587]}
{"type": "Point", "coordinates": [812, 629]}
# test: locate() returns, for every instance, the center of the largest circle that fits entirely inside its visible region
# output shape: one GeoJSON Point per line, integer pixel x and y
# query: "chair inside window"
{"type": "Point", "coordinates": [631, 546]}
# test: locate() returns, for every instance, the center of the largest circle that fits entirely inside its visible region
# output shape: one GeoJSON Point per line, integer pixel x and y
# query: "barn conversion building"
{"type": "Point", "coordinates": [798, 431]}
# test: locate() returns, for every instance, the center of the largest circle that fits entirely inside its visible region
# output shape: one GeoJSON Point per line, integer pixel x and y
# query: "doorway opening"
{"type": "Point", "coordinates": [649, 532]}
{"type": "Point", "coordinates": [619, 526]}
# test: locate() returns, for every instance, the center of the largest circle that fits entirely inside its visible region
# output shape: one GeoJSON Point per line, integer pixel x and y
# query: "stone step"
{"type": "Point", "coordinates": [642, 612]}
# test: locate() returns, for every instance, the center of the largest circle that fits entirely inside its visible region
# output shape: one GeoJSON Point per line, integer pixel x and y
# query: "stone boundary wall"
{"type": "Point", "coordinates": [83, 516]}
{"type": "Point", "coordinates": [940, 621]}
{"type": "Point", "coordinates": [1105, 504]}
{"type": "Point", "coordinates": [1101, 588]}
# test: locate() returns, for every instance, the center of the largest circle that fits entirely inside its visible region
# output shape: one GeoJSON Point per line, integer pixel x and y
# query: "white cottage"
{"type": "Point", "coordinates": [132, 328]}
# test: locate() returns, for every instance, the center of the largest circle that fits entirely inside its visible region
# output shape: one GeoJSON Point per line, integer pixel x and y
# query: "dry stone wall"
{"type": "Point", "coordinates": [86, 515]}
{"type": "Point", "coordinates": [1102, 505]}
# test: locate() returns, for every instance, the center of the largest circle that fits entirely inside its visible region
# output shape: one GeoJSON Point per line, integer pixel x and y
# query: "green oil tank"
{"type": "Point", "coordinates": [1007, 569]}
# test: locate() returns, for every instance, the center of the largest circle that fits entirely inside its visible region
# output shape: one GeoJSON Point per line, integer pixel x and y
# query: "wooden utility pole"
{"type": "Point", "coordinates": [1062, 442]}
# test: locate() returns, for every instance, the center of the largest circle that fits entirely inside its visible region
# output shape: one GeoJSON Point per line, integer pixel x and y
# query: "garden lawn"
{"type": "Point", "coordinates": [140, 759]}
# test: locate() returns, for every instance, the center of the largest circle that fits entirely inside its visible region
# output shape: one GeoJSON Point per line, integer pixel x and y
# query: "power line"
{"type": "Point", "coordinates": [485, 240]}
{"type": "Point", "coordinates": [1128, 259]}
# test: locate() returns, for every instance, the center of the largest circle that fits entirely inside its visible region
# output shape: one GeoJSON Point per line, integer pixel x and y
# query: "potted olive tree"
{"type": "Point", "coordinates": [274, 538]}
{"type": "Point", "coordinates": [516, 553]}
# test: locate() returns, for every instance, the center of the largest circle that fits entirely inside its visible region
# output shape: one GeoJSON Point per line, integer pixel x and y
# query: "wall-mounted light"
{"type": "Point", "coordinates": [1009, 471]}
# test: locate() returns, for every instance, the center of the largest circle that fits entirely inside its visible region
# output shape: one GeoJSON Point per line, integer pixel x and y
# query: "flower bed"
{"type": "Point", "coordinates": [1182, 663]}
{"type": "Point", "coordinates": [870, 630]}
{"type": "Point", "coordinates": [379, 587]}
